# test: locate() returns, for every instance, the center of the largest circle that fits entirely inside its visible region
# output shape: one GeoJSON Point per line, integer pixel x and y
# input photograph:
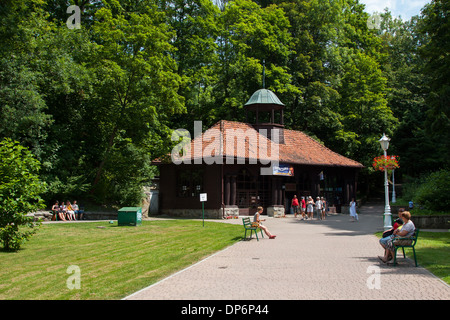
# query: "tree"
{"type": "Point", "coordinates": [22, 104]}
{"type": "Point", "coordinates": [94, 104]}
{"type": "Point", "coordinates": [135, 86]}
{"type": "Point", "coordinates": [435, 24]}
{"type": "Point", "coordinates": [20, 190]}
{"type": "Point", "coordinates": [249, 37]}
{"type": "Point", "coordinates": [195, 27]}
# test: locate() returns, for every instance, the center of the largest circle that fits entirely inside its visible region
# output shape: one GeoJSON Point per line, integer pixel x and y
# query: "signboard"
{"type": "Point", "coordinates": [203, 200]}
{"type": "Point", "coordinates": [283, 170]}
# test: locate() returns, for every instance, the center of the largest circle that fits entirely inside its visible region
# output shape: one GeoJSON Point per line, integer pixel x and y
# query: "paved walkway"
{"type": "Point", "coordinates": [333, 259]}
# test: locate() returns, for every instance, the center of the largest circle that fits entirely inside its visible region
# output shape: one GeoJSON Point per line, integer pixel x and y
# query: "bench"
{"type": "Point", "coordinates": [408, 242]}
{"type": "Point", "coordinates": [248, 226]}
{"type": "Point", "coordinates": [55, 216]}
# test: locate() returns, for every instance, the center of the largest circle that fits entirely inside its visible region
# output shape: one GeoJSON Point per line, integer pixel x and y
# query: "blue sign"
{"type": "Point", "coordinates": [283, 170]}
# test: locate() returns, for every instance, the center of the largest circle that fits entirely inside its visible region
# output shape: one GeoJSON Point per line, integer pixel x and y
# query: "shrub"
{"type": "Point", "coordinates": [20, 190]}
{"type": "Point", "coordinates": [433, 192]}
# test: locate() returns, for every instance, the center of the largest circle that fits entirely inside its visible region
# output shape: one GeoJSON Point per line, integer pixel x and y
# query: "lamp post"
{"type": "Point", "coordinates": [384, 141]}
{"type": "Point", "coordinates": [394, 199]}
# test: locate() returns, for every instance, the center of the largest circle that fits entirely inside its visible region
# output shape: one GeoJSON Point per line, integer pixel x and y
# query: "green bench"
{"type": "Point", "coordinates": [406, 242]}
{"type": "Point", "coordinates": [248, 226]}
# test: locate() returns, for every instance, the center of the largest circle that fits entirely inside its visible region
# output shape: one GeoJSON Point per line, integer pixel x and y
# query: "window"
{"type": "Point", "coordinates": [189, 183]}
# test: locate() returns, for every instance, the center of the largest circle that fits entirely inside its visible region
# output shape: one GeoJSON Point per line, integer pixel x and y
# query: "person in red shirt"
{"type": "Point", "coordinates": [303, 207]}
{"type": "Point", "coordinates": [294, 205]}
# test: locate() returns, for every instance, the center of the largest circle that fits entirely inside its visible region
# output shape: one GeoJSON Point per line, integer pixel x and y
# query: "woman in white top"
{"type": "Point", "coordinates": [318, 206]}
{"type": "Point", "coordinates": [406, 231]}
{"type": "Point", "coordinates": [353, 213]}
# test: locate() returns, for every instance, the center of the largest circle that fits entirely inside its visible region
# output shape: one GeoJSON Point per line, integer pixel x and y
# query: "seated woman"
{"type": "Point", "coordinates": [257, 219]}
{"type": "Point", "coordinates": [407, 230]}
{"type": "Point", "coordinates": [55, 210]}
{"type": "Point", "coordinates": [70, 212]}
{"type": "Point", "coordinates": [62, 211]}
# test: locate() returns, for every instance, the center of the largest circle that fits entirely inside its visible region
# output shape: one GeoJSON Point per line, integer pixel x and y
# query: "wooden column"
{"type": "Point", "coordinates": [227, 190]}
{"type": "Point", "coordinates": [274, 192]}
{"type": "Point", "coordinates": [233, 191]}
{"type": "Point", "coordinates": [280, 192]}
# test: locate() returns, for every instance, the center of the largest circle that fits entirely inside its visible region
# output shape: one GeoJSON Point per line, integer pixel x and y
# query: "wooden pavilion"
{"type": "Point", "coordinates": [241, 166]}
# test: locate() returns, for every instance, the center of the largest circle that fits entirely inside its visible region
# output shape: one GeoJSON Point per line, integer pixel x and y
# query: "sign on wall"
{"type": "Point", "coordinates": [283, 170]}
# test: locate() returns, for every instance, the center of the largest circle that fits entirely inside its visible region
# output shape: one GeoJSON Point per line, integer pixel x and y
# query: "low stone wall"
{"type": "Point", "coordinates": [47, 215]}
{"type": "Point", "coordinates": [41, 215]}
{"type": "Point", "coordinates": [232, 211]}
{"type": "Point", "coordinates": [100, 216]}
{"type": "Point", "coordinates": [275, 211]}
{"type": "Point", "coordinates": [192, 213]}
{"type": "Point", "coordinates": [431, 222]}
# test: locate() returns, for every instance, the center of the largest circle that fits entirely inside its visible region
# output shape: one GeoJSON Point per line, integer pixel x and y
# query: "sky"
{"type": "Point", "coordinates": [404, 8]}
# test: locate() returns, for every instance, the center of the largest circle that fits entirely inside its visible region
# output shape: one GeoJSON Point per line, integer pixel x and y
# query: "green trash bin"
{"type": "Point", "coordinates": [129, 216]}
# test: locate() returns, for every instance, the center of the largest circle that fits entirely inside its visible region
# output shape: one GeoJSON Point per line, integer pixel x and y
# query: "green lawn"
{"type": "Point", "coordinates": [433, 253]}
{"type": "Point", "coordinates": [113, 261]}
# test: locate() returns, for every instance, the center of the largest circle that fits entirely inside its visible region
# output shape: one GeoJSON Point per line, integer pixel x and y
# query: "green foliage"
{"type": "Point", "coordinates": [433, 191]}
{"type": "Point", "coordinates": [20, 188]}
{"type": "Point", "coordinates": [82, 99]}
{"type": "Point", "coordinates": [435, 23]}
{"type": "Point", "coordinates": [96, 104]}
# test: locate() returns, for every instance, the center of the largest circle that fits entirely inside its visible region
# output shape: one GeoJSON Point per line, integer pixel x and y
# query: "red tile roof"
{"type": "Point", "coordinates": [298, 148]}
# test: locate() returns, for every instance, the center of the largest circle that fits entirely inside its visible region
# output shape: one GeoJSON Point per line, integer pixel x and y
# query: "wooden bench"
{"type": "Point", "coordinates": [248, 226]}
{"type": "Point", "coordinates": [406, 242]}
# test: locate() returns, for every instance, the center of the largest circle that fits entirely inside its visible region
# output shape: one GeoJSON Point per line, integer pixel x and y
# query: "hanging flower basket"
{"type": "Point", "coordinates": [385, 162]}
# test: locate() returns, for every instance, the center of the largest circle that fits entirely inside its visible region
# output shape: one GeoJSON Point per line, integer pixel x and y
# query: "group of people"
{"type": "Point", "coordinates": [67, 212]}
{"type": "Point", "coordinates": [403, 227]}
{"type": "Point", "coordinates": [307, 207]}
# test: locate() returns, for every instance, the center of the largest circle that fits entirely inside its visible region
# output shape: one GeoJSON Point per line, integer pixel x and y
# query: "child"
{"type": "Point", "coordinates": [257, 219]}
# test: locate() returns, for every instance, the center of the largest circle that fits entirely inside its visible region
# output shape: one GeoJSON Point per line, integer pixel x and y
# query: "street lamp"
{"type": "Point", "coordinates": [384, 141]}
{"type": "Point", "coordinates": [394, 199]}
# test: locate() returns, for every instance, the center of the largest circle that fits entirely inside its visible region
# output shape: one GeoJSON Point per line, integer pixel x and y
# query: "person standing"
{"type": "Point", "coordinates": [294, 205]}
{"type": "Point", "coordinates": [310, 207]}
{"type": "Point", "coordinates": [324, 204]}
{"type": "Point", "coordinates": [303, 207]}
{"type": "Point", "coordinates": [318, 206]}
{"type": "Point", "coordinates": [353, 213]}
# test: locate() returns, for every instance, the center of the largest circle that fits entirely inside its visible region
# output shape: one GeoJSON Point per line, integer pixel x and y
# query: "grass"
{"type": "Point", "coordinates": [432, 252]}
{"type": "Point", "coordinates": [113, 261]}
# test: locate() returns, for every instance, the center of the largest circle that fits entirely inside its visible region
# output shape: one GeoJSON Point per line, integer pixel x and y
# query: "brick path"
{"type": "Point", "coordinates": [331, 259]}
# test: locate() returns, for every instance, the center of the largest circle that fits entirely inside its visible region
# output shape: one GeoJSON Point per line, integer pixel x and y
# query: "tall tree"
{"type": "Point", "coordinates": [250, 36]}
{"type": "Point", "coordinates": [435, 24]}
{"type": "Point", "coordinates": [195, 28]}
{"type": "Point", "coordinates": [136, 82]}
